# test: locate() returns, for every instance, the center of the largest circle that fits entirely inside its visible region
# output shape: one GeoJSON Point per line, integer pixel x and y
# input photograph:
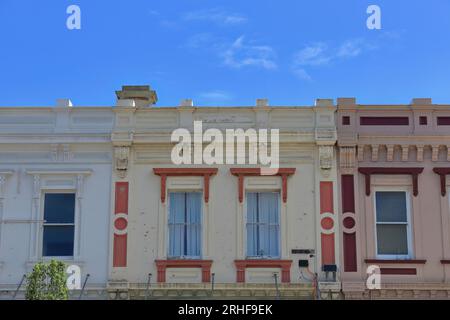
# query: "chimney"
{"type": "Point", "coordinates": [186, 103]}
{"type": "Point", "coordinates": [324, 103]}
{"type": "Point", "coordinates": [142, 96]}
{"type": "Point", "coordinates": [346, 101]}
{"type": "Point", "coordinates": [262, 102]}
{"type": "Point", "coordinates": [422, 101]}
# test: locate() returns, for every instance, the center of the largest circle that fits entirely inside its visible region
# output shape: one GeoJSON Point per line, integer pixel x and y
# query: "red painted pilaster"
{"type": "Point", "coordinates": [120, 225]}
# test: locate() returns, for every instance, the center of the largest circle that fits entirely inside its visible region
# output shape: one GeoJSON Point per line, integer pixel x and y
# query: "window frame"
{"type": "Point", "coordinates": [263, 257]}
{"type": "Point", "coordinates": [408, 223]}
{"type": "Point", "coordinates": [44, 223]}
{"type": "Point", "coordinates": [202, 222]}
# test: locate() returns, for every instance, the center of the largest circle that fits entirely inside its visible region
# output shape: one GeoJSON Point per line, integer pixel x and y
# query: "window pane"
{"type": "Point", "coordinates": [59, 207]}
{"type": "Point", "coordinates": [58, 241]}
{"type": "Point", "coordinates": [391, 206]}
{"type": "Point", "coordinates": [185, 224]}
{"type": "Point", "coordinates": [193, 222]}
{"type": "Point", "coordinates": [263, 224]}
{"type": "Point", "coordinates": [177, 207]}
{"type": "Point", "coordinates": [392, 239]}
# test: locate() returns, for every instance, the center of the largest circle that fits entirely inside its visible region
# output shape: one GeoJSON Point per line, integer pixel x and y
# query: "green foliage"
{"type": "Point", "coordinates": [47, 281]}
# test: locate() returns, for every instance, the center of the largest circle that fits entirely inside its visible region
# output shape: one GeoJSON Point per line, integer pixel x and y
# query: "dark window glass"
{"type": "Point", "coordinates": [423, 121]}
{"type": "Point", "coordinates": [345, 120]}
{"type": "Point", "coordinates": [58, 232]}
{"type": "Point", "coordinates": [58, 241]}
{"type": "Point", "coordinates": [59, 207]}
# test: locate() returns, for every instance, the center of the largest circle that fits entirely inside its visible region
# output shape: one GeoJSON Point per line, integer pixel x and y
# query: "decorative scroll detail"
{"type": "Point", "coordinates": [390, 152]}
{"type": "Point", "coordinates": [347, 158]}
{"type": "Point", "coordinates": [434, 153]}
{"type": "Point", "coordinates": [361, 152]}
{"type": "Point", "coordinates": [442, 172]}
{"type": "Point", "coordinates": [405, 152]}
{"type": "Point", "coordinates": [414, 172]}
{"type": "Point", "coordinates": [60, 152]}
{"type": "Point", "coordinates": [419, 156]}
{"type": "Point", "coordinates": [121, 157]}
{"type": "Point", "coordinates": [243, 172]}
{"type": "Point", "coordinates": [375, 149]}
{"type": "Point", "coordinates": [326, 159]}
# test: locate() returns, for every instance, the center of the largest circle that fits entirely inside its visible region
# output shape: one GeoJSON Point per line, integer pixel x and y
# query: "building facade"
{"type": "Point", "coordinates": [393, 166]}
{"type": "Point", "coordinates": [182, 230]}
{"type": "Point", "coordinates": [180, 202]}
{"type": "Point", "coordinates": [55, 184]}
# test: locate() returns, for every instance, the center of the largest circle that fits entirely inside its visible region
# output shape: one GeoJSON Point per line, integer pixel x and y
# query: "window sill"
{"type": "Point", "coordinates": [162, 265]}
{"type": "Point", "coordinates": [70, 261]}
{"type": "Point", "coordinates": [396, 261]}
{"type": "Point", "coordinates": [284, 265]}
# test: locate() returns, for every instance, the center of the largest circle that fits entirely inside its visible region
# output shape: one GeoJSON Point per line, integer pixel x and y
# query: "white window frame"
{"type": "Point", "coordinates": [202, 226]}
{"type": "Point", "coordinates": [265, 257]}
{"type": "Point", "coordinates": [41, 231]}
{"type": "Point", "coordinates": [408, 222]}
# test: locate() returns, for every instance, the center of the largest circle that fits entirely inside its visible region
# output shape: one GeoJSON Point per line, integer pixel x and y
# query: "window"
{"type": "Point", "coordinates": [345, 120]}
{"type": "Point", "coordinates": [263, 224]}
{"type": "Point", "coordinates": [392, 224]}
{"type": "Point", "coordinates": [423, 121]}
{"type": "Point", "coordinates": [185, 224]}
{"type": "Point", "coordinates": [59, 226]}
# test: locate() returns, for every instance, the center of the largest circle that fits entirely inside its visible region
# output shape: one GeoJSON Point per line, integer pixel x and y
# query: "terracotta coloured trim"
{"type": "Point", "coordinates": [120, 223]}
{"type": "Point", "coordinates": [414, 172]}
{"type": "Point", "coordinates": [442, 172]}
{"type": "Point", "coordinates": [206, 173]}
{"type": "Point", "coordinates": [398, 271]}
{"type": "Point", "coordinates": [392, 261]}
{"type": "Point", "coordinates": [162, 265]}
{"type": "Point", "coordinates": [243, 172]}
{"type": "Point", "coordinates": [285, 266]}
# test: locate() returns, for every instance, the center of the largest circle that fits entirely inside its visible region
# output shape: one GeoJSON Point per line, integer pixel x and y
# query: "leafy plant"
{"type": "Point", "coordinates": [47, 281]}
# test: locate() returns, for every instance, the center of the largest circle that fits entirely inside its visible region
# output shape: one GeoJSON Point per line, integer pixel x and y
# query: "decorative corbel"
{"type": "Point", "coordinates": [375, 149]}
{"type": "Point", "coordinates": [326, 159]}
{"type": "Point", "coordinates": [434, 153]}
{"type": "Point", "coordinates": [405, 152]}
{"type": "Point", "coordinates": [420, 152]}
{"type": "Point", "coordinates": [347, 158]}
{"type": "Point", "coordinates": [390, 152]}
{"type": "Point", "coordinates": [121, 158]}
{"type": "Point", "coordinates": [361, 152]}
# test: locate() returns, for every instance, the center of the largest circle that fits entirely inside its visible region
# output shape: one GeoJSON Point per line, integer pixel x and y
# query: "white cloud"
{"type": "Point", "coordinates": [215, 15]}
{"type": "Point", "coordinates": [351, 48]}
{"type": "Point", "coordinates": [302, 74]}
{"type": "Point", "coordinates": [320, 54]}
{"type": "Point", "coordinates": [241, 54]}
{"type": "Point", "coordinates": [313, 55]}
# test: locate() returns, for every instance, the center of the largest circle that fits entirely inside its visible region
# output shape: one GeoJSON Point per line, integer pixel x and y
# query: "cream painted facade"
{"type": "Point", "coordinates": [142, 144]}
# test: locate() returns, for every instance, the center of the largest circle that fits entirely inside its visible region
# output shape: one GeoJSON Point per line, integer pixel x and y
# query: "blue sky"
{"type": "Point", "coordinates": [224, 52]}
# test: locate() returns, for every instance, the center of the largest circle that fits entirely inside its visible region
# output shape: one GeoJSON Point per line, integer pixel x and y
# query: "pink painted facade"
{"type": "Point", "coordinates": [393, 161]}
